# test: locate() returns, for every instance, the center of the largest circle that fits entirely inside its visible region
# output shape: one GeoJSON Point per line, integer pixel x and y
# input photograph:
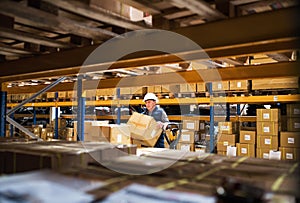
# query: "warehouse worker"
{"type": "Point", "coordinates": [158, 114]}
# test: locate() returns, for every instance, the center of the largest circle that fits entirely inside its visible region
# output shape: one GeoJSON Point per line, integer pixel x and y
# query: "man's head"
{"type": "Point", "coordinates": [150, 101]}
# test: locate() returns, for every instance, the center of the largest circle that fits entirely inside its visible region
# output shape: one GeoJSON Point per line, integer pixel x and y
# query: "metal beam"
{"type": "Point", "coordinates": [20, 127]}
{"type": "Point", "coordinates": [179, 101]}
{"type": "Point", "coordinates": [3, 102]}
{"type": "Point", "coordinates": [35, 95]}
{"type": "Point", "coordinates": [284, 69]}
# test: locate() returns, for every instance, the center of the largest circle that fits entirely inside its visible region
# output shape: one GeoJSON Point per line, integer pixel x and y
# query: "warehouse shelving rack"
{"type": "Point", "coordinates": [262, 99]}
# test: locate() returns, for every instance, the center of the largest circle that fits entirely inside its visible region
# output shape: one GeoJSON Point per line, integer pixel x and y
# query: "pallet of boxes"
{"type": "Point", "coordinates": [227, 137]}
{"type": "Point", "coordinates": [290, 139]}
{"type": "Point", "coordinates": [267, 129]}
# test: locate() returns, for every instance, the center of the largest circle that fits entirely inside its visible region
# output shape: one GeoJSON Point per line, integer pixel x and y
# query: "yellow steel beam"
{"type": "Point", "coordinates": [178, 101]}
{"type": "Point", "coordinates": [171, 117]}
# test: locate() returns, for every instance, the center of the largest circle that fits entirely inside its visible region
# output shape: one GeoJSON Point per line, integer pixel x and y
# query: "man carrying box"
{"type": "Point", "coordinates": [158, 114]}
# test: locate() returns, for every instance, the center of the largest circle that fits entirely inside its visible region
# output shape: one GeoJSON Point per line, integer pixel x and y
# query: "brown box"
{"type": "Point", "coordinates": [222, 146]}
{"type": "Point", "coordinates": [125, 90]}
{"type": "Point", "coordinates": [188, 87]}
{"type": "Point", "coordinates": [225, 140]}
{"type": "Point", "coordinates": [245, 149]}
{"type": "Point", "coordinates": [290, 139]}
{"type": "Point", "coordinates": [185, 146]}
{"type": "Point", "coordinates": [227, 127]}
{"type": "Point", "coordinates": [267, 128]}
{"type": "Point", "coordinates": [62, 94]}
{"type": "Point", "coordinates": [190, 125]}
{"type": "Point", "coordinates": [138, 90]}
{"type": "Point", "coordinates": [54, 155]}
{"type": "Point", "coordinates": [144, 129]}
{"type": "Point", "coordinates": [262, 153]}
{"type": "Point", "coordinates": [293, 110]}
{"type": "Point", "coordinates": [171, 88]}
{"type": "Point", "coordinates": [247, 137]}
{"type": "Point", "coordinates": [120, 134]}
{"type": "Point", "coordinates": [265, 141]}
{"type": "Point", "coordinates": [238, 85]}
{"type": "Point", "coordinates": [275, 83]}
{"type": "Point", "coordinates": [94, 131]}
{"type": "Point", "coordinates": [187, 136]}
{"type": "Point", "coordinates": [71, 94]}
{"type": "Point", "coordinates": [104, 92]}
{"type": "Point", "coordinates": [290, 153]}
{"type": "Point", "coordinates": [201, 87]}
{"type": "Point", "coordinates": [50, 95]}
{"type": "Point", "coordinates": [220, 86]}
{"type": "Point", "coordinates": [230, 138]}
{"type": "Point", "coordinates": [268, 115]}
{"type": "Point", "coordinates": [293, 124]}
{"type": "Point", "coordinates": [224, 153]}
{"type": "Point", "coordinates": [154, 89]}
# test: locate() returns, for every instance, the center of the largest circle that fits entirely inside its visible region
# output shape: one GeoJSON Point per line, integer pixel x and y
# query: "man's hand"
{"type": "Point", "coordinates": [162, 125]}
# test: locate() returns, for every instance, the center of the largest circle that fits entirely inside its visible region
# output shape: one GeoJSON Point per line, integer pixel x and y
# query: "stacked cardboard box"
{"type": "Point", "coordinates": [267, 124]}
{"type": "Point", "coordinates": [290, 140]}
{"type": "Point", "coordinates": [94, 131]}
{"type": "Point", "coordinates": [189, 134]}
{"type": "Point", "coordinates": [118, 134]}
{"type": "Point", "coordinates": [226, 136]}
{"type": "Point", "coordinates": [246, 146]}
{"type": "Point", "coordinates": [202, 138]}
{"type": "Point", "coordinates": [293, 117]}
{"type": "Point", "coordinates": [41, 132]}
{"type": "Point", "coordinates": [290, 145]}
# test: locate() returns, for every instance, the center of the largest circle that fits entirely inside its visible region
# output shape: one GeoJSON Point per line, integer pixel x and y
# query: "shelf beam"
{"type": "Point", "coordinates": [283, 69]}
{"type": "Point", "coordinates": [171, 117]}
{"type": "Point", "coordinates": [177, 101]}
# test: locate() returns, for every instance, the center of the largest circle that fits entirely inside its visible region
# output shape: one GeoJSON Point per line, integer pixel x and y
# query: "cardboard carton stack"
{"type": "Point", "coordinates": [226, 136]}
{"type": "Point", "coordinates": [190, 128]}
{"type": "Point", "coordinates": [290, 140]}
{"type": "Point", "coordinates": [267, 127]}
{"type": "Point", "coordinates": [202, 138]}
{"type": "Point", "coordinates": [94, 131]}
{"type": "Point", "coordinates": [246, 146]}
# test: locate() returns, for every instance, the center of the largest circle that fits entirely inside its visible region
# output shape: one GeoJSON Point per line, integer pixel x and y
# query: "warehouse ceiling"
{"type": "Point", "coordinates": [36, 28]}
